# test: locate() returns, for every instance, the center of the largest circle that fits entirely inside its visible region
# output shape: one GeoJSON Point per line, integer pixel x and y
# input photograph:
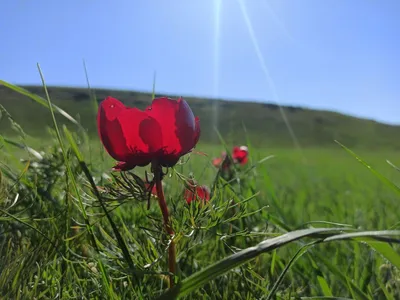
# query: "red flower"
{"type": "Point", "coordinates": [217, 161]}
{"type": "Point", "coordinates": [222, 162]}
{"type": "Point", "coordinates": [240, 154]}
{"type": "Point", "coordinates": [194, 192]}
{"type": "Point", "coordinates": [161, 134]}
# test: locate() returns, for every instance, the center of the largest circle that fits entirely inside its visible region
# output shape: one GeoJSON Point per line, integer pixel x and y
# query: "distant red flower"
{"type": "Point", "coordinates": [196, 192]}
{"type": "Point", "coordinates": [240, 154]}
{"type": "Point", "coordinates": [162, 133]}
{"type": "Point", "coordinates": [222, 162]}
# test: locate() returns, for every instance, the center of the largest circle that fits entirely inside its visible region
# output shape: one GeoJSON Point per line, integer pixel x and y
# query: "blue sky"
{"type": "Point", "coordinates": [332, 54]}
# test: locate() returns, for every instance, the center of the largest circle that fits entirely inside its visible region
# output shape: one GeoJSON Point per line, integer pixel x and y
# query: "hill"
{"type": "Point", "coordinates": [263, 121]}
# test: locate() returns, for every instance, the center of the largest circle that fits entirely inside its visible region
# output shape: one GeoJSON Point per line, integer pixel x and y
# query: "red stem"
{"type": "Point", "coordinates": [167, 223]}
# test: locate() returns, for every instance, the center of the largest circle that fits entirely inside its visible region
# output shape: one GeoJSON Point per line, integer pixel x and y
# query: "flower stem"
{"type": "Point", "coordinates": [167, 224]}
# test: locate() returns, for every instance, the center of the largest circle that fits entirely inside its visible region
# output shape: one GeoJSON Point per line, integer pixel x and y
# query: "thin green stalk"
{"type": "Point", "coordinates": [69, 170]}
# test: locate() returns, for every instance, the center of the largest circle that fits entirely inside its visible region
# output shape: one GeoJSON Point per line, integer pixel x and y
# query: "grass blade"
{"type": "Point", "coordinates": [376, 173]}
{"type": "Point", "coordinates": [153, 93]}
{"type": "Point", "coordinates": [297, 255]}
{"type": "Point", "coordinates": [356, 292]}
{"type": "Point", "coordinates": [68, 166]}
{"type": "Point", "coordinates": [202, 277]}
{"type": "Point", "coordinates": [85, 169]}
{"type": "Point", "coordinates": [378, 235]}
{"type": "Point", "coordinates": [40, 100]}
{"type": "Point", "coordinates": [24, 147]}
{"type": "Point", "coordinates": [387, 251]}
{"type": "Point", "coordinates": [92, 94]}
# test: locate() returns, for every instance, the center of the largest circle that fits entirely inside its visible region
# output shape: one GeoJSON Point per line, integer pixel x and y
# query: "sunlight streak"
{"type": "Point", "coordinates": [217, 46]}
{"type": "Point", "coordinates": [268, 77]}
{"type": "Point", "coordinates": [282, 27]}
{"type": "Point", "coordinates": [278, 22]}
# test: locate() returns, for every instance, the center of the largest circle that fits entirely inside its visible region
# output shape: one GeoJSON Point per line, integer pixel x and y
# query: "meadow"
{"type": "Point", "coordinates": [319, 222]}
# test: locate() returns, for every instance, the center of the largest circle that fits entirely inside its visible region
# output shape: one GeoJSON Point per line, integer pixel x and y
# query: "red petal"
{"type": "Point", "coordinates": [180, 131]}
{"type": "Point", "coordinates": [189, 191]}
{"type": "Point", "coordinates": [203, 193]}
{"type": "Point", "coordinates": [187, 127]}
{"type": "Point", "coordinates": [244, 160]}
{"type": "Point", "coordinates": [109, 129]}
{"type": "Point", "coordinates": [240, 154]}
{"type": "Point", "coordinates": [125, 134]}
{"type": "Point", "coordinates": [217, 162]}
{"type": "Point", "coordinates": [196, 192]}
{"type": "Point", "coordinates": [189, 196]}
{"type": "Point", "coordinates": [223, 162]}
{"type": "Point", "coordinates": [235, 151]}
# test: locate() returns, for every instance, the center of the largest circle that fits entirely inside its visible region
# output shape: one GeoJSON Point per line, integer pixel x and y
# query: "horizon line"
{"type": "Point", "coordinates": [209, 97]}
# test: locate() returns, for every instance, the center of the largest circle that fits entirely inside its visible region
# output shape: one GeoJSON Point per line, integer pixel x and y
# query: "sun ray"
{"type": "Point", "coordinates": [216, 55]}
{"type": "Point", "coordinates": [267, 74]}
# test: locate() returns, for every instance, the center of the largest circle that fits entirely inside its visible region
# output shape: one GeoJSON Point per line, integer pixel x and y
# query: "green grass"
{"type": "Point", "coordinates": [318, 224]}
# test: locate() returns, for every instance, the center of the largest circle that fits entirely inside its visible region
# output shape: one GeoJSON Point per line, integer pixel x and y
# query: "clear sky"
{"type": "Point", "coordinates": [328, 54]}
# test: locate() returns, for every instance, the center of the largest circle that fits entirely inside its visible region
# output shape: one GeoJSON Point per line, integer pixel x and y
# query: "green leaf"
{"type": "Point", "coordinates": [324, 285]}
{"type": "Point", "coordinates": [376, 235]}
{"type": "Point", "coordinates": [202, 277]}
{"type": "Point", "coordinates": [386, 251]}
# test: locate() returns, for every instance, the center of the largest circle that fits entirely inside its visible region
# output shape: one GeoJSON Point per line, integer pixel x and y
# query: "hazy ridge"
{"type": "Point", "coordinates": [263, 121]}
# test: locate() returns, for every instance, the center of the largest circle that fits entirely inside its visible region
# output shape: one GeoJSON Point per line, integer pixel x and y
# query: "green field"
{"type": "Point", "coordinates": [348, 249]}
